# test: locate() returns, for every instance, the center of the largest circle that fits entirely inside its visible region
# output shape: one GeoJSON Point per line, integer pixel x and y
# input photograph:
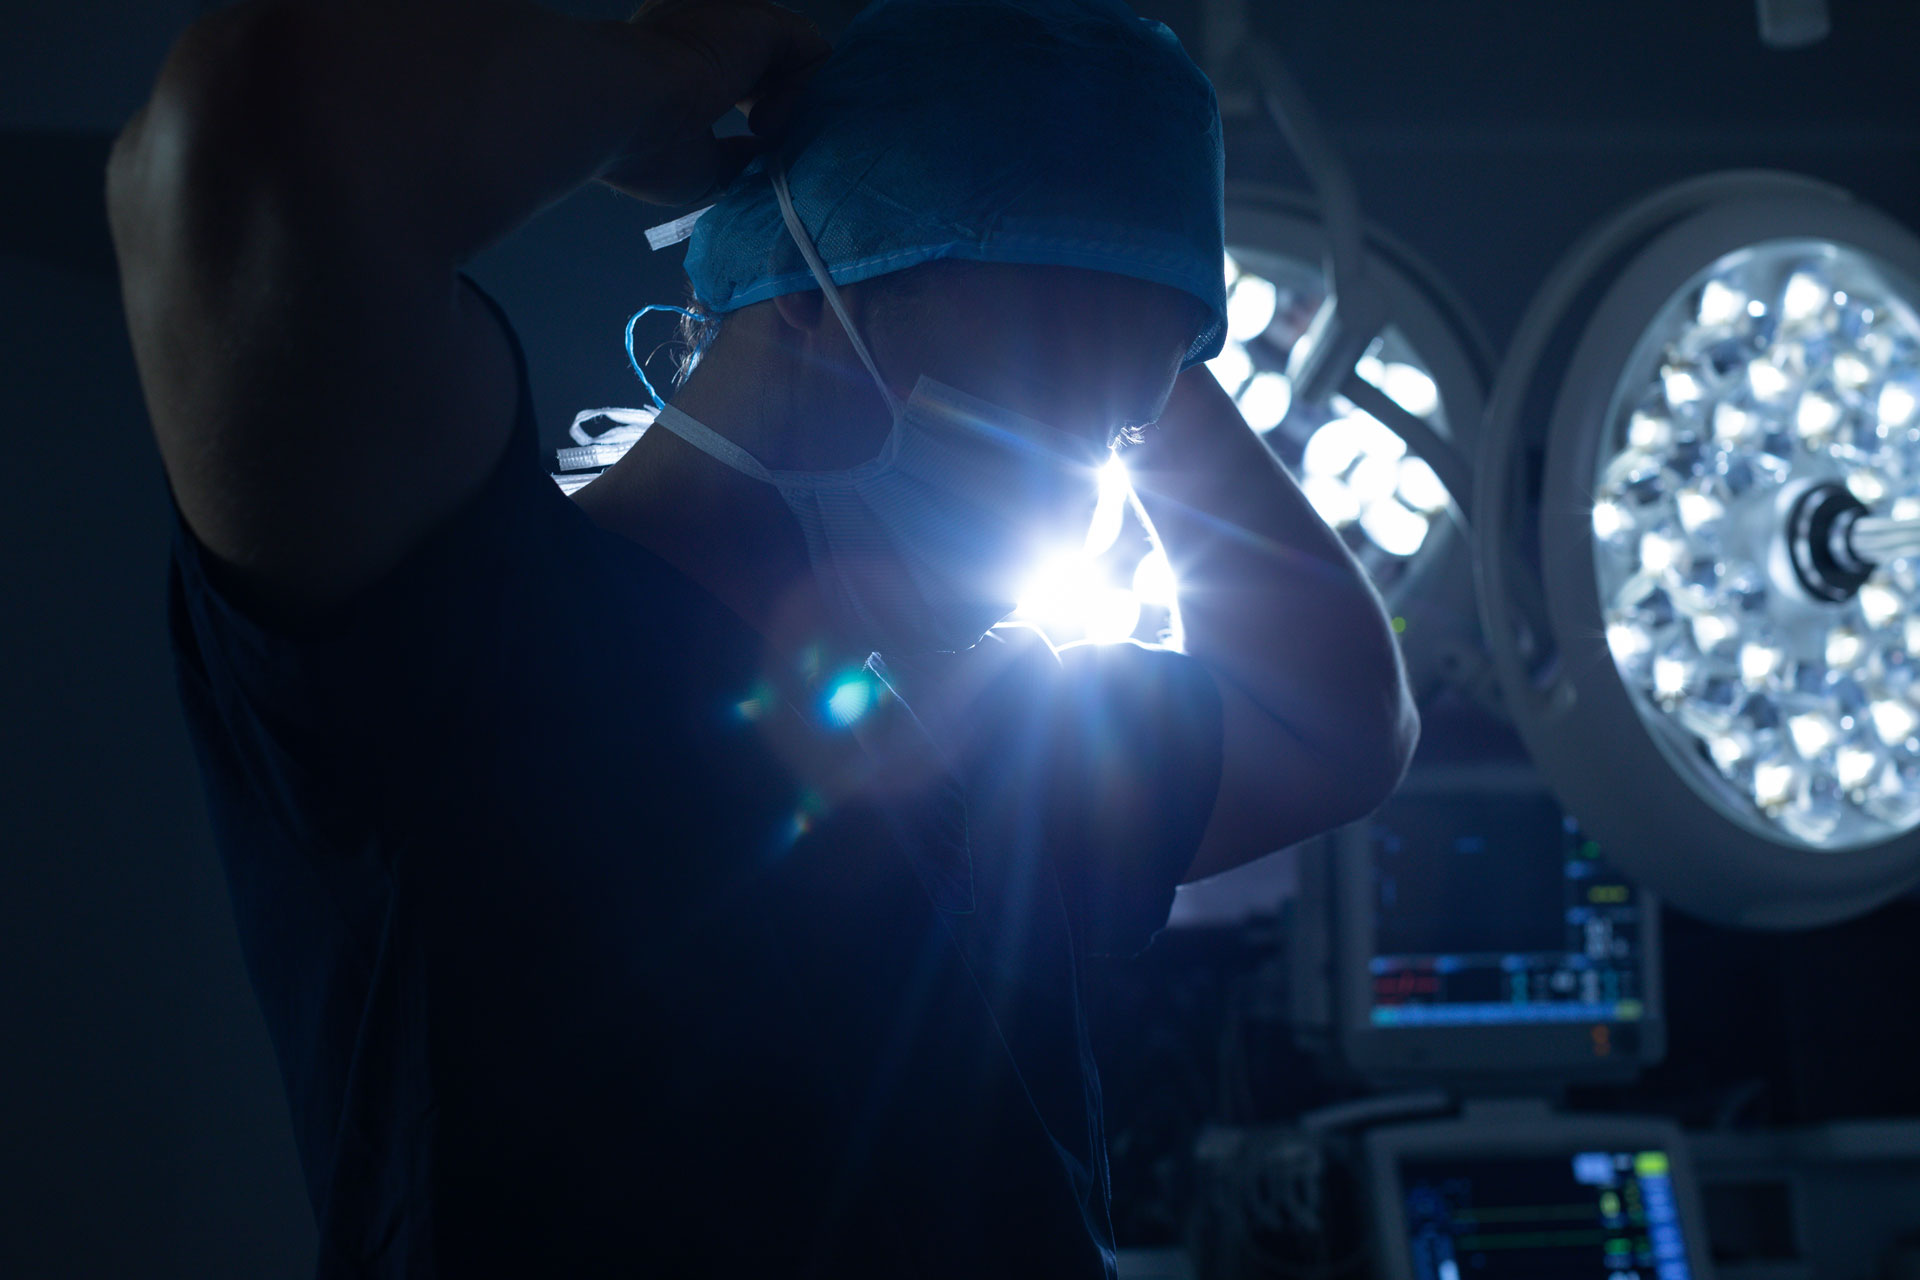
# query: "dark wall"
{"type": "Point", "coordinates": [142, 1131]}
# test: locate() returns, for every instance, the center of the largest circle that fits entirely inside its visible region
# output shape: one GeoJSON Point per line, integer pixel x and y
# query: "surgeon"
{"type": "Point", "coordinates": [686, 878]}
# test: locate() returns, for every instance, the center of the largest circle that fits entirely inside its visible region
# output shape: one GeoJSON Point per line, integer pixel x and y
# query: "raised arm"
{"type": "Point", "coordinates": [1319, 723]}
{"type": "Point", "coordinates": [290, 210]}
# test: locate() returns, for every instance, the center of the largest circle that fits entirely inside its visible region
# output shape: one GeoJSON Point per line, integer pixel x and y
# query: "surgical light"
{"type": "Point", "coordinates": [1715, 666]}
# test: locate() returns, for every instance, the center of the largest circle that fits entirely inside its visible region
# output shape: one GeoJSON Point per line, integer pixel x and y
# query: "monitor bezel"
{"type": "Point", "coordinates": [1521, 1132]}
{"type": "Point", "coordinates": [1551, 1053]}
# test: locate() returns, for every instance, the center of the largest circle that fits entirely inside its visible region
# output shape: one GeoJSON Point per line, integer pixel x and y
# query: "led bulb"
{"type": "Point", "coordinates": [1898, 402]}
{"type": "Point", "coordinates": [1698, 509]}
{"type": "Point", "coordinates": [1893, 721]}
{"type": "Point", "coordinates": [1868, 486]}
{"type": "Point", "coordinates": [1711, 630]}
{"type": "Point", "coordinates": [1854, 766]}
{"type": "Point", "coordinates": [1646, 430]}
{"type": "Point", "coordinates": [1669, 676]}
{"type": "Point", "coordinates": [1265, 399]}
{"type": "Point", "coordinates": [1628, 642]}
{"type": "Point", "coordinates": [1660, 550]}
{"type": "Point", "coordinates": [1844, 647]}
{"type": "Point", "coordinates": [1420, 488]}
{"type": "Point", "coordinates": [1816, 417]}
{"type": "Point", "coordinates": [1804, 298]}
{"type": "Point", "coordinates": [1232, 367]}
{"type": "Point", "coordinates": [1609, 520]}
{"type": "Point", "coordinates": [1394, 528]}
{"type": "Point", "coordinates": [1772, 784]}
{"type": "Point", "coordinates": [1758, 662]}
{"type": "Point", "coordinates": [1812, 733]}
{"type": "Point", "coordinates": [1879, 604]}
{"type": "Point", "coordinates": [1719, 304]}
{"type": "Point", "coordinates": [1332, 499]}
{"type": "Point", "coordinates": [1410, 388]}
{"type": "Point", "coordinates": [1250, 307]}
{"type": "Point", "coordinates": [1769, 381]}
{"type": "Point", "coordinates": [1682, 386]}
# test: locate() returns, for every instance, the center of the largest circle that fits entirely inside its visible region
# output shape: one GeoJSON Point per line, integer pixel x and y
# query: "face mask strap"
{"type": "Point", "coordinates": [712, 443]}
{"type": "Point", "coordinates": [827, 286]}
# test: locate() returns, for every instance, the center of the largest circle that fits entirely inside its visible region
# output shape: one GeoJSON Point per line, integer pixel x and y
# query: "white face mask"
{"type": "Point", "coordinates": [922, 547]}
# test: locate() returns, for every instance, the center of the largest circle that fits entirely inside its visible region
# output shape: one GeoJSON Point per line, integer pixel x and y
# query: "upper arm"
{"type": "Point", "coordinates": [1277, 790]}
{"type": "Point", "coordinates": [323, 394]}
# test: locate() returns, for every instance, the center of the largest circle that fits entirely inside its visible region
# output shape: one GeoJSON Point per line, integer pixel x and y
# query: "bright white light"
{"type": "Point", "coordinates": [1409, 388]}
{"type": "Point", "coordinates": [1265, 400]}
{"type": "Point", "coordinates": [1844, 647]}
{"type": "Point", "coordinates": [1727, 751]}
{"type": "Point", "coordinates": [1719, 304]}
{"type": "Point", "coordinates": [1681, 386]}
{"type": "Point", "coordinates": [1772, 784]}
{"type": "Point", "coordinates": [1731, 423]}
{"type": "Point", "coordinates": [1608, 520]}
{"type": "Point", "coordinates": [1756, 308]}
{"type": "Point", "coordinates": [1897, 404]}
{"type": "Point", "coordinates": [1232, 367]}
{"type": "Point", "coordinates": [1854, 766]}
{"type": "Point", "coordinates": [1067, 600]}
{"type": "Point", "coordinates": [1332, 499]}
{"type": "Point", "coordinates": [1660, 551]}
{"type": "Point", "coordinates": [1111, 509]}
{"type": "Point", "coordinates": [1769, 381]}
{"type": "Point", "coordinates": [1879, 604]}
{"type": "Point", "coordinates": [1233, 270]}
{"type": "Point", "coordinates": [1153, 580]}
{"type": "Point", "coordinates": [1867, 486]}
{"type": "Point", "coordinates": [1374, 477]}
{"type": "Point", "coordinates": [1420, 488]}
{"type": "Point", "coordinates": [1250, 308]}
{"type": "Point", "coordinates": [1850, 371]}
{"type": "Point", "coordinates": [1711, 630]}
{"type": "Point", "coordinates": [1669, 676]}
{"type": "Point", "coordinates": [1804, 298]}
{"type": "Point", "coordinates": [1811, 732]}
{"type": "Point", "coordinates": [1697, 509]}
{"type": "Point", "coordinates": [1759, 661]}
{"type": "Point", "coordinates": [1649, 430]}
{"type": "Point", "coordinates": [1394, 529]}
{"type": "Point", "coordinates": [1109, 615]}
{"type": "Point", "coordinates": [1334, 447]}
{"type": "Point", "coordinates": [1816, 416]}
{"type": "Point", "coordinates": [1893, 721]}
{"type": "Point", "coordinates": [1628, 643]}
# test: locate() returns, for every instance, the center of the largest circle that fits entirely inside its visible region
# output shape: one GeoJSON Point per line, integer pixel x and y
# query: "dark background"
{"type": "Point", "coordinates": [142, 1131]}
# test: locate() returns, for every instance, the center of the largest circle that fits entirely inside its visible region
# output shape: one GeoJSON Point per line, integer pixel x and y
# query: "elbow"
{"type": "Point", "coordinates": [1378, 749]}
{"type": "Point", "coordinates": [1377, 737]}
{"type": "Point", "coordinates": [211, 125]}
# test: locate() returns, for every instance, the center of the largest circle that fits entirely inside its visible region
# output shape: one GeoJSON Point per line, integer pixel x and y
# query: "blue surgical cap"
{"type": "Point", "coordinates": [1056, 132]}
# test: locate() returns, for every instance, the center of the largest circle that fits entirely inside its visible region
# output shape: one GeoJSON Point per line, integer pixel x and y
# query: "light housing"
{"type": "Point", "coordinates": [1637, 583]}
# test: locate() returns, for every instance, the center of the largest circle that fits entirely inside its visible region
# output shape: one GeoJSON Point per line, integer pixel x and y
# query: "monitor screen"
{"type": "Point", "coordinates": [1599, 1214]}
{"type": "Point", "coordinates": [1493, 908]}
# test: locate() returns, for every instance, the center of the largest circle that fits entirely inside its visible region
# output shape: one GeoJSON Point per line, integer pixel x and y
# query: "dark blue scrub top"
{"type": "Point", "coordinates": [569, 975]}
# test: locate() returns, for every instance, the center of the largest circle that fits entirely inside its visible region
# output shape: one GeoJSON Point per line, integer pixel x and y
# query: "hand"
{"type": "Point", "coordinates": [712, 55]}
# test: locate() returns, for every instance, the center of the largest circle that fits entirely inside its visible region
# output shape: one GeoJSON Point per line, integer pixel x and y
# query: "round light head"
{"type": "Point", "coordinates": [1782, 371]}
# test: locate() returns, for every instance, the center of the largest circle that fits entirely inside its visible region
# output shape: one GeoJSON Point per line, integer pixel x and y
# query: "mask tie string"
{"type": "Point", "coordinates": [825, 279]}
